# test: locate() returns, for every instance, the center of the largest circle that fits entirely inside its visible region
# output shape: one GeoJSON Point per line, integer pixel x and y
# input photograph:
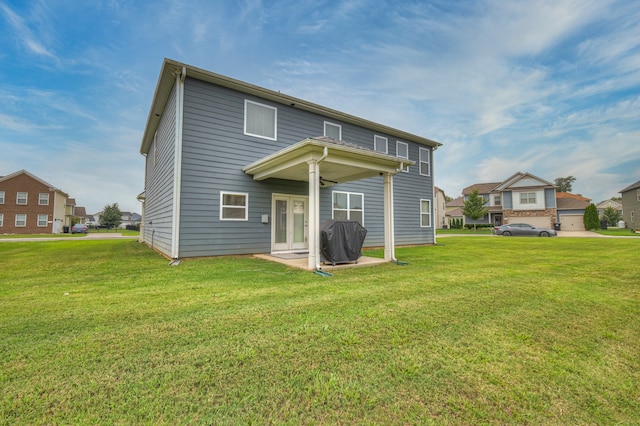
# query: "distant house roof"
{"type": "Point", "coordinates": [632, 186]}
{"type": "Point", "coordinates": [483, 188]}
{"type": "Point", "coordinates": [457, 202]}
{"type": "Point", "coordinates": [80, 211]}
{"type": "Point", "coordinates": [71, 201]}
{"type": "Point", "coordinates": [569, 201]}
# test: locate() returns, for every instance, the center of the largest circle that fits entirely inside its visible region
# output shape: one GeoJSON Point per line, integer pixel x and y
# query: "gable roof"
{"type": "Point", "coordinates": [632, 186]}
{"type": "Point", "coordinates": [569, 201]}
{"type": "Point", "coordinates": [519, 176]}
{"type": "Point", "coordinates": [483, 188]}
{"type": "Point", "coordinates": [172, 69]}
{"type": "Point", "coordinates": [32, 176]}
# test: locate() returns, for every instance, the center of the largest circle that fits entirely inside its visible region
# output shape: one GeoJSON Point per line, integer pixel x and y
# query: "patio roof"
{"type": "Point", "coordinates": [344, 162]}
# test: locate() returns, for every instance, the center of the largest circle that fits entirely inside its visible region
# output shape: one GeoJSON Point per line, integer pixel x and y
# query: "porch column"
{"type": "Point", "coordinates": [389, 240]}
{"type": "Point", "coordinates": [314, 214]}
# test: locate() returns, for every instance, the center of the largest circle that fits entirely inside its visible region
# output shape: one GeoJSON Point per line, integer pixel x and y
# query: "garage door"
{"type": "Point", "coordinates": [571, 222]}
{"type": "Point", "coordinates": [538, 222]}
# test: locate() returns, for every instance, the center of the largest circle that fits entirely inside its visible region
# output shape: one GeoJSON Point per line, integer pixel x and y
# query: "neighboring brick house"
{"type": "Point", "coordinates": [631, 205]}
{"type": "Point", "coordinates": [29, 205]}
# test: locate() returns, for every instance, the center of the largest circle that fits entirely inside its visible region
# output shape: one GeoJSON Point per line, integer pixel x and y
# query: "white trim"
{"type": "Point", "coordinates": [245, 207]}
{"type": "Point", "coordinates": [1, 220]}
{"type": "Point", "coordinates": [177, 165]}
{"type": "Point", "coordinates": [46, 220]}
{"type": "Point", "coordinates": [2, 198]}
{"type": "Point", "coordinates": [348, 209]}
{"type": "Point", "coordinates": [334, 125]}
{"type": "Point", "coordinates": [429, 212]}
{"type": "Point", "coordinates": [26, 198]}
{"type": "Point", "coordinates": [405, 169]}
{"type": "Point", "coordinates": [427, 162]}
{"type": "Point", "coordinates": [275, 121]}
{"type": "Point", "coordinates": [40, 203]}
{"type": "Point", "coordinates": [375, 144]}
{"type": "Point", "coordinates": [16, 220]}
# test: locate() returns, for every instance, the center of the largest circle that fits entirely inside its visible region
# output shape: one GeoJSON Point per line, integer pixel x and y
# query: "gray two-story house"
{"type": "Point", "coordinates": [631, 205]}
{"type": "Point", "coordinates": [233, 168]}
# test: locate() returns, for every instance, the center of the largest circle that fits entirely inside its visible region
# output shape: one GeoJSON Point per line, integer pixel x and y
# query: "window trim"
{"type": "Point", "coordinates": [638, 194]}
{"type": "Point", "coordinates": [348, 209]}
{"type": "Point", "coordinates": [245, 207]}
{"type": "Point", "coordinates": [375, 144]}
{"type": "Point", "coordinates": [2, 197]}
{"type": "Point", "coordinates": [428, 213]}
{"type": "Point", "coordinates": [422, 161]}
{"type": "Point", "coordinates": [46, 220]}
{"type": "Point", "coordinates": [1, 220]}
{"type": "Point", "coordinates": [40, 203]}
{"type": "Point", "coordinates": [16, 220]}
{"type": "Point", "coordinates": [26, 198]}
{"type": "Point", "coordinates": [528, 198]}
{"type": "Point", "coordinates": [334, 125]}
{"type": "Point", "coordinates": [275, 120]}
{"type": "Point", "coordinates": [405, 169]}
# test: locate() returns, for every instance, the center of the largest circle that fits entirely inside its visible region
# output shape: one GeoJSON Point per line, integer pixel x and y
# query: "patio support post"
{"type": "Point", "coordinates": [314, 215]}
{"type": "Point", "coordinates": [389, 240]}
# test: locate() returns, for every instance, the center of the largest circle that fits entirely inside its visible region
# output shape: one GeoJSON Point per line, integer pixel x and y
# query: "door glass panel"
{"type": "Point", "coordinates": [298, 221]}
{"type": "Point", "coordinates": [281, 222]}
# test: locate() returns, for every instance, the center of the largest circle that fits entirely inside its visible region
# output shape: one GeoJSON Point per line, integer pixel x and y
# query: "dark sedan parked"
{"type": "Point", "coordinates": [79, 229]}
{"type": "Point", "coordinates": [523, 229]}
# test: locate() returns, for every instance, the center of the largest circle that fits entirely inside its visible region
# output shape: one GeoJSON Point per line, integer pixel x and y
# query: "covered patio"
{"type": "Point", "coordinates": [326, 161]}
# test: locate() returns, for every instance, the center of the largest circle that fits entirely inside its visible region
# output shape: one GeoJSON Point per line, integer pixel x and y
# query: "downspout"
{"type": "Point", "coordinates": [177, 166]}
{"type": "Point", "coordinates": [433, 193]}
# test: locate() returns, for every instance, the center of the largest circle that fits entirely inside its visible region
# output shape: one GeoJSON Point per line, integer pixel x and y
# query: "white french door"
{"type": "Point", "coordinates": [290, 224]}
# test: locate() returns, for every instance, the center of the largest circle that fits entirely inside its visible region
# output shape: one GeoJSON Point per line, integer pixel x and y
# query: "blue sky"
{"type": "Point", "coordinates": [546, 87]}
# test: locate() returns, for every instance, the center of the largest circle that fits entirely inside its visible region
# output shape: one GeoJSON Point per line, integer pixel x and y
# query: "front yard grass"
{"type": "Point", "coordinates": [472, 331]}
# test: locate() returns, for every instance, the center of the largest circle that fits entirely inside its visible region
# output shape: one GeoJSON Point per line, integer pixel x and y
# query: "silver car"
{"type": "Point", "coordinates": [523, 229]}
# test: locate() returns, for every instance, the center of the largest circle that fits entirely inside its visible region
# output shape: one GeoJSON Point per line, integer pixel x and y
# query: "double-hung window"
{"type": "Point", "coordinates": [425, 213]}
{"type": "Point", "coordinates": [334, 131]}
{"type": "Point", "coordinates": [1, 197]}
{"type": "Point", "coordinates": [1, 220]}
{"type": "Point", "coordinates": [42, 220]}
{"type": "Point", "coordinates": [528, 198]}
{"type": "Point", "coordinates": [43, 199]}
{"type": "Point", "coordinates": [21, 220]}
{"type": "Point", "coordinates": [234, 206]}
{"type": "Point", "coordinates": [348, 206]}
{"type": "Point", "coordinates": [260, 120]}
{"type": "Point", "coordinates": [638, 194]}
{"type": "Point", "coordinates": [380, 144]}
{"type": "Point", "coordinates": [425, 162]}
{"type": "Point", "coordinates": [402, 151]}
{"type": "Point", "coordinates": [22, 197]}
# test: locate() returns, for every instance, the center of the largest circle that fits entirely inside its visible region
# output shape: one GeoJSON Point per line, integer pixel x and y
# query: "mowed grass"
{"type": "Point", "coordinates": [472, 331]}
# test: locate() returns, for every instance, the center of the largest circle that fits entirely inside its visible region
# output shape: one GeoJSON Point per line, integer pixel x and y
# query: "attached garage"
{"type": "Point", "coordinates": [537, 221]}
{"type": "Point", "coordinates": [571, 222]}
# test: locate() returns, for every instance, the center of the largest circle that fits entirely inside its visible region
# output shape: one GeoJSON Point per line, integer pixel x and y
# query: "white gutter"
{"type": "Point", "coordinates": [314, 197]}
{"type": "Point", "coordinates": [177, 165]}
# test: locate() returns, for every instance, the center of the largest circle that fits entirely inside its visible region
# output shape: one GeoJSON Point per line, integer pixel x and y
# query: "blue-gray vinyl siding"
{"type": "Point", "coordinates": [159, 178]}
{"type": "Point", "coordinates": [214, 150]}
{"type": "Point", "coordinates": [550, 198]}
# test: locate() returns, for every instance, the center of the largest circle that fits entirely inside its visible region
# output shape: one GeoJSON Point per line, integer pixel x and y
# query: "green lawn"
{"type": "Point", "coordinates": [472, 331]}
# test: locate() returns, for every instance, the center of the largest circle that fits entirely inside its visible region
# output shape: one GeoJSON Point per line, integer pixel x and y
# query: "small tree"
{"type": "Point", "coordinates": [611, 215]}
{"type": "Point", "coordinates": [591, 220]}
{"type": "Point", "coordinates": [564, 183]}
{"type": "Point", "coordinates": [474, 207]}
{"type": "Point", "coordinates": [111, 216]}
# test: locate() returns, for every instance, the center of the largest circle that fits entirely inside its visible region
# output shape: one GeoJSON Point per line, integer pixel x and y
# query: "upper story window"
{"type": "Point", "coordinates": [348, 206]}
{"type": "Point", "coordinates": [22, 197]}
{"type": "Point", "coordinates": [638, 194]}
{"type": "Point", "coordinates": [402, 151]}
{"type": "Point", "coordinates": [260, 120]}
{"type": "Point", "coordinates": [43, 199]}
{"type": "Point", "coordinates": [497, 200]}
{"type": "Point", "coordinates": [334, 131]}
{"type": "Point", "coordinates": [1, 197]}
{"type": "Point", "coordinates": [528, 198]}
{"type": "Point", "coordinates": [425, 162]}
{"type": "Point", "coordinates": [380, 144]}
{"type": "Point", "coordinates": [234, 206]}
